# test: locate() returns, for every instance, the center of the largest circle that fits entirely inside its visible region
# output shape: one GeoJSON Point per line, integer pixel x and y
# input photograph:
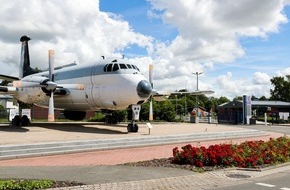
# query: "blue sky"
{"type": "Point", "coordinates": [238, 45]}
{"type": "Point", "coordinates": [269, 54]}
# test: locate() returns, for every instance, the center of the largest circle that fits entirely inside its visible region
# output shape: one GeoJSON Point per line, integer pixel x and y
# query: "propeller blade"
{"type": "Point", "coordinates": [151, 75]}
{"type": "Point", "coordinates": [51, 108]}
{"type": "Point", "coordinates": [151, 111]}
{"type": "Point", "coordinates": [51, 64]}
{"type": "Point", "coordinates": [151, 82]}
{"type": "Point", "coordinates": [51, 85]}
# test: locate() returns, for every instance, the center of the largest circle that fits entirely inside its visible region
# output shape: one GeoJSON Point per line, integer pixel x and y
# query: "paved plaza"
{"type": "Point", "coordinates": [102, 170]}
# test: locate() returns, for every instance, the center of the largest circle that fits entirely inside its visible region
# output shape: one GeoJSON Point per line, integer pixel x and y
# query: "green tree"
{"type": "Point", "coordinates": [281, 89]}
{"type": "Point", "coordinates": [263, 98]}
{"type": "Point", "coordinates": [162, 111]}
{"type": "Point", "coordinates": [238, 98]}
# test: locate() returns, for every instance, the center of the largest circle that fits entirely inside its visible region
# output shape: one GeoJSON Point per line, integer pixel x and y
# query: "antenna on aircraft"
{"type": "Point", "coordinates": [123, 56]}
{"type": "Point", "coordinates": [103, 57]}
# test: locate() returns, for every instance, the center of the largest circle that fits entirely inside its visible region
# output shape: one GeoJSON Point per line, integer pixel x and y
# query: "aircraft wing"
{"type": "Point", "coordinates": [161, 95]}
{"type": "Point", "coordinates": [194, 93]}
{"type": "Point", "coordinates": [8, 90]}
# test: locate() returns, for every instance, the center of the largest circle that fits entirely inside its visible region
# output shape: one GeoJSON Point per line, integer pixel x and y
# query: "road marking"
{"type": "Point", "coordinates": [285, 188]}
{"type": "Point", "coordinates": [265, 185]}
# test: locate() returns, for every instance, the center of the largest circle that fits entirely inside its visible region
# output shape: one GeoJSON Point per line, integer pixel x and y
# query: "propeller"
{"type": "Point", "coordinates": [151, 97]}
{"type": "Point", "coordinates": [51, 85]}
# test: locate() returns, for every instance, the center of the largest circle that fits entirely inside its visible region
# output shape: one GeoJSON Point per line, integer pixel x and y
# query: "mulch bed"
{"type": "Point", "coordinates": [167, 162]}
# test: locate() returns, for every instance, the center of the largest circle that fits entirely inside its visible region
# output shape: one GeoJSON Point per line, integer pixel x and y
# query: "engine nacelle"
{"type": "Point", "coordinates": [74, 115]}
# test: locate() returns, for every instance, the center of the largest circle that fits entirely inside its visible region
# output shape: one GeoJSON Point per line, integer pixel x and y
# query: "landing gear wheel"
{"type": "Point", "coordinates": [16, 121]}
{"type": "Point", "coordinates": [129, 127]}
{"type": "Point", "coordinates": [132, 127]}
{"type": "Point", "coordinates": [24, 120]}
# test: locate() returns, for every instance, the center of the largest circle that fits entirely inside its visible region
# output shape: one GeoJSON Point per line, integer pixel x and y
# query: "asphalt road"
{"type": "Point", "coordinates": [284, 129]}
{"type": "Point", "coordinates": [275, 181]}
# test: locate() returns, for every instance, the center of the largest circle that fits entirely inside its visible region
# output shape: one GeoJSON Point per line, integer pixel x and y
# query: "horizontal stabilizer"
{"type": "Point", "coordinates": [8, 78]}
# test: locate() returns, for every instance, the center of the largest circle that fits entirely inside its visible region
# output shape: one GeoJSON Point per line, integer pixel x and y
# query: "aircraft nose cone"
{"type": "Point", "coordinates": [144, 89]}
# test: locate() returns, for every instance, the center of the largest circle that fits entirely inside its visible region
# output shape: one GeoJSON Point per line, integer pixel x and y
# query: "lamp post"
{"type": "Point", "coordinates": [196, 98]}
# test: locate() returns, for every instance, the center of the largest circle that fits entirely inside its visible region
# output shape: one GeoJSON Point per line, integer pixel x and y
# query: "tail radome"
{"type": "Point", "coordinates": [25, 68]}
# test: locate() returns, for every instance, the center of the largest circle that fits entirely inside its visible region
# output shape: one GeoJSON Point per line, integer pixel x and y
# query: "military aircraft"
{"type": "Point", "coordinates": [109, 84]}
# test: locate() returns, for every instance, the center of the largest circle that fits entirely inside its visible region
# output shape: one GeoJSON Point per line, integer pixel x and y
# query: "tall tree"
{"type": "Point", "coordinates": [281, 89]}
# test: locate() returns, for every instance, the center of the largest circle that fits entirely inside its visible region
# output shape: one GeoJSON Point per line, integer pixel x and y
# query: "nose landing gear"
{"type": "Point", "coordinates": [133, 127]}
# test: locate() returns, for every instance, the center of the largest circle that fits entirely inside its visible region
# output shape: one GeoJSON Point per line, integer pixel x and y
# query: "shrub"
{"type": "Point", "coordinates": [25, 184]}
{"type": "Point", "coordinates": [247, 154]}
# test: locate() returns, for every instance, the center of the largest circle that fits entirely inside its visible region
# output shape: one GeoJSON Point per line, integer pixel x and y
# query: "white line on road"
{"type": "Point", "coordinates": [265, 185]}
{"type": "Point", "coordinates": [285, 188]}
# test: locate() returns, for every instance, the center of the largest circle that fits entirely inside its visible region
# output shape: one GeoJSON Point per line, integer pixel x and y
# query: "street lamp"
{"type": "Point", "coordinates": [197, 73]}
{"type": "Point", "coordinates": [196, 98]}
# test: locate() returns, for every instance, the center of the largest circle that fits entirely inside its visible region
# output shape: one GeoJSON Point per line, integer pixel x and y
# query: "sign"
{"type": "Point", "coordinates": [247, 109]}
{"type": "Point", "coordinates": [149, 125]}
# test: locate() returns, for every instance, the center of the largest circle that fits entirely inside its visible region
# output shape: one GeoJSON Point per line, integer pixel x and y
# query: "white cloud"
{"type": "Point", "coordinates": [209, 32]}
{"type": "Point", "coordinates": [77, 30]}
{"type": "Point", "coordinates": [261, 78]}
{"type": "Point", "coordinates": [231, 88]}
{"type": "Point", "coordinates": [284, 72]}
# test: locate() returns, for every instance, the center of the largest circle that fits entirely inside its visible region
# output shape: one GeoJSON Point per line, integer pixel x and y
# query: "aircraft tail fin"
{"type": "Point", "coordinates": [25, 68]}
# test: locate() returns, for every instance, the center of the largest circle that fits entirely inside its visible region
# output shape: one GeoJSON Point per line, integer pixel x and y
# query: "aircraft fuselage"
{"type": "Point", "coordinates": [111, 84]}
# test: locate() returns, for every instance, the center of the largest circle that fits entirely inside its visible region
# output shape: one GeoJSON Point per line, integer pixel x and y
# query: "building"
{"type": "Point", "coordinates": [7, 101]}
{"type": "Point", "coordinates": [232, 112]}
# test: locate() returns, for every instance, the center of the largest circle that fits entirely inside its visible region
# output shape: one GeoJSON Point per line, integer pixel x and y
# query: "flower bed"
{"type": "Point", "coordinates": [250, 154]}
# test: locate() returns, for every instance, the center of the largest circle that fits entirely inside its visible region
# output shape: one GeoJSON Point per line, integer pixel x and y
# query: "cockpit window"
{"type": "Point", "coordinates": [116, 67]}
{"type": "Point", "coordinates": [105, 68]}
{"type": "Point", "coordinates": [123, 66]}
{"type": "Point", "coordinates": [109, 67]}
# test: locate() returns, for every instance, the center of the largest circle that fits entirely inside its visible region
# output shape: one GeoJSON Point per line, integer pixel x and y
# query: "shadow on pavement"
{"type": "Point", "coordinates": [79, 128]}
{"type": "Point", "coordinates": [10, 128]}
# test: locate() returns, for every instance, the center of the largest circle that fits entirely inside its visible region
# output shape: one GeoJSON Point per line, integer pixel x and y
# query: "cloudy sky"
{"type": "Point", "coordinates": [238, 45]}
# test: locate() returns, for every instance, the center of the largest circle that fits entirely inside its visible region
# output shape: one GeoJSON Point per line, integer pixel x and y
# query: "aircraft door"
{"type": "Point", "coordinates": [92, 91]}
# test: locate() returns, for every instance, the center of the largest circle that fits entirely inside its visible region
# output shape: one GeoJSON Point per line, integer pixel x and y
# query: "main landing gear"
{"type": "Point", "coordinates": [20, 121]}
{"type": "Point", "coordinates": [133, 127]}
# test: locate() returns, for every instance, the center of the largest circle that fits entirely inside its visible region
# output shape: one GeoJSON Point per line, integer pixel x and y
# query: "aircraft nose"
{"type": "Point", "coordinates": [144, 89]}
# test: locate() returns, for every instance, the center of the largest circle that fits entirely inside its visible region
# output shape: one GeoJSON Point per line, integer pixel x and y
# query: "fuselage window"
{"type": "Point", "coordinates": [123, 66]}
{"type": "Point", "coordinates": [137, 68]}
{"type": "Point", "coordinates": [115, 67]}
{"type": "Point", "coordinates": [133, 66]}
{"type": "Point", "coordinates": [129, 66]}
{"type": "Point", "coordinates": [109, 67]}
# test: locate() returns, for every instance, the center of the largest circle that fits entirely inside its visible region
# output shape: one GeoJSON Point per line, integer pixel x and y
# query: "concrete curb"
{"type": "Point", "coordinates": [56, 148]}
